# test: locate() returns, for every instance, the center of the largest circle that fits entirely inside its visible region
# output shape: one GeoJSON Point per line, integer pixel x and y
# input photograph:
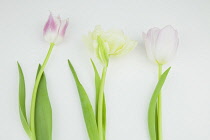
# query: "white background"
{"type": "Point", "coordinates": [131, 79]}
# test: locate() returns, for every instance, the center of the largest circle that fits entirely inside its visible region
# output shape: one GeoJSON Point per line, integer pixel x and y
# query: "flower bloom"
{"type": "Point", "coordinates": [54, 29]}
{"type": "Point", "coordinates": [108, 43]}
{"type": "Point", "coordinates": [161, 44]}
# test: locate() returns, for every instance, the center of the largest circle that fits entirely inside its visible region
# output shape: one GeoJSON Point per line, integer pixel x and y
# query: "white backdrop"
{"type": "Point", "coordinates": [131, 79]}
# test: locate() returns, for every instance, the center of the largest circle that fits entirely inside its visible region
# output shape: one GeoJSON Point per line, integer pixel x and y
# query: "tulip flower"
{"type": "Point", "coordinates": [105, 44]}
{"type": "Point", "coordinates": [55, 29]}
{"type": "Point", "coordinates": [161, 46]}
{"type": "Point", "coordinates": [109, 43]}
{"type": "Point", "coordinates": [40, 126]}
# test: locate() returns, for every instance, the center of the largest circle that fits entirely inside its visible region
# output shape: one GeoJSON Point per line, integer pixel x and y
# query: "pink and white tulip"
{"type": "Point", "coordinates": [54, 29]}
{"type": "Point", "coordinates": [161, 44]}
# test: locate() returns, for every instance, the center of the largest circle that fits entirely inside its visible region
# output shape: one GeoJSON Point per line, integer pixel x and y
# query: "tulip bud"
{"type": "Point", "coordinates": [54, 29]}
{"type": "Point", "coordinates": [161, 44]}
{"type": "Point", "coordinates": [102, 51]}
{"type": "Point", "coordinates": [108, 43]}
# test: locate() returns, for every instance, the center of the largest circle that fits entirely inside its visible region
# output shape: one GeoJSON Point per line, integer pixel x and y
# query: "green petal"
{"type": "Point", "coordinates": [102, 51]}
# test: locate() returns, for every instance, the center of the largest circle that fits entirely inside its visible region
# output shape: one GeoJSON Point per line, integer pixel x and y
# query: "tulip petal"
{"type": "Point", "coordinates": [63, 27]}
{"type": "Point", "coordinates": [150, 42]}
{"type": "Point", "coordinates": [129, 45]}
{"type": "Point", "coordinates": [63, 24]}
{"type": "Point", "coordinates": [51, 29]}
{"type": "Point", "coordinates": [88, 41]}
{"type": "Point", "coordinates": [50, 24]}
{"type": "Point", "coordinates": [98, 31]}
{"type": "Point", "coordinates": [166, 45]}
{"type": "Point", "coordinates": [116, 41]}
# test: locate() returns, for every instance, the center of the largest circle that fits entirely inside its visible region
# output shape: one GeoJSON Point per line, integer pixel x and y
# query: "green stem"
{"type": "Point", "coordinates": [33, 101]}
{"type": "Point", "coordinates": [159, 106]}
{"type": "Point", "coordinates": [100, 104]}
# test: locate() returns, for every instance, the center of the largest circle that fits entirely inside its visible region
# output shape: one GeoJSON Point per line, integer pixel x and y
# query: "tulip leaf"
{"type": "Point", "coordinates": [22, 108]}
{"type": "Point", "coordinates": [43, 111]}
{"type": "Point", "coordinates": [152, 116]}
{"type": "Point", "coordinates": [88, 112]}
{"type": "Point", "coordinates": [97, 85]}
{"type": "Point", "coordinates": [156, 122]}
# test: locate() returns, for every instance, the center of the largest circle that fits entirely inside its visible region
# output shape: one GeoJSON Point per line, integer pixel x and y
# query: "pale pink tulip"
{"type": "Point", "coordinates": [54, 29]}
{"type": "Point", "coordinates": [161, 44]}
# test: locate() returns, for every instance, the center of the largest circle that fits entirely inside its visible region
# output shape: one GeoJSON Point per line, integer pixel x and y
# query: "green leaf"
{"type": "Point", "coordinates": [104, 117]}
{"type": "Point", "coordinates": [97, 85]}
{"type": "Point", "coordinates": [152, 106]}
{"type": "Point", "coordinates": [156, 122]}
{"type": "Point", "coordinates": [22, 108]}
{"type": "Point", "coordinates": [43, 112]}
{"type": "Point", "coordinates": [88, 113]}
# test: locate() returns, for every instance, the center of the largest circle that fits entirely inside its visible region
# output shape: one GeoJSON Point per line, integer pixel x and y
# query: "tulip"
{"type": "Point", "coordinates": [54, 29]}
{"type": "Point", "coordinates": [108, 43]}
{"type": "Point", "coordinates": [105, 44]}
{"type": "Point", "coordinates": [161, 44]}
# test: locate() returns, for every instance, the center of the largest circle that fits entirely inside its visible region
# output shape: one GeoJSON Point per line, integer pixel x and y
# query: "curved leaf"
{"type": "Point", "coordinates": [152, 106]}
{"type": "Point", "coordinates": [97, 86]}
{"type": "Point", "coordinates": [43, 112]}
{"type": "Point", "coordinates": [88, 113]}
{"type": "Point", "coordinates": [22, 108]}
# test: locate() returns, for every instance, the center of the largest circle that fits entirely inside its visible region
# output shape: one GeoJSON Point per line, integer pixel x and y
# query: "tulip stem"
{"type": "Point", "coordinates": [159, 105]}
{"type": "Point", "coordinates": [34, 94]}
{"type": "Point", "coordinates": [100, 104]}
